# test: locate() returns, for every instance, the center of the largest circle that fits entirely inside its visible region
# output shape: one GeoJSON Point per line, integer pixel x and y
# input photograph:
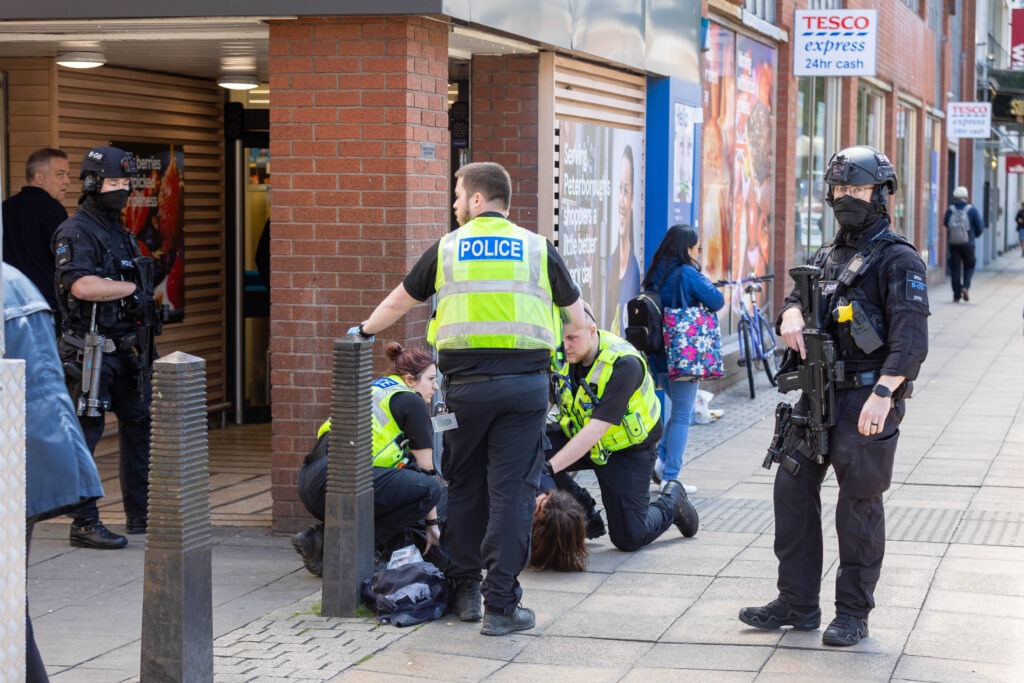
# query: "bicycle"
{"type": "Point", "coordinates": [756, 335]}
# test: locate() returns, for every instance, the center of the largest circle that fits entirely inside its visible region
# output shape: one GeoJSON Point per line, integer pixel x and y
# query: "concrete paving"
{"type": "Point", "coordinates": [950, 601]}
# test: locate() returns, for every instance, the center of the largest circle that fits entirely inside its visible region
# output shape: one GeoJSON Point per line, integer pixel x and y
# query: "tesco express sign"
{"type": "Point", "coordinates": [835, 42]}
{"type": "Point", "coordinates": [969, 120]}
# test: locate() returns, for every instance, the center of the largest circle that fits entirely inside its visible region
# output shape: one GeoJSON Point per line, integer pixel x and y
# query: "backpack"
{"type": "Point", "coordinates": [959, 225]}
{"type": "Point", "coordinates": [644, 326]}
{"type": "Point", "coordinates": [410, 594]}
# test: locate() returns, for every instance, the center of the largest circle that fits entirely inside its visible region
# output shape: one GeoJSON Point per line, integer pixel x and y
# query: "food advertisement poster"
{"type": "Point", "coordinates": [600, 215]}
{"type": "Point", "coordinates": [155, 214]}
{"type": "Point", "coordinates": [738, 156]}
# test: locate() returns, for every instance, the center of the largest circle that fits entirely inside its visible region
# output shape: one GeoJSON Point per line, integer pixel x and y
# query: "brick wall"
{"type": "Point", "coordinates": [503, 117]}
{"type": "Point", "coordinates": [354, 202]}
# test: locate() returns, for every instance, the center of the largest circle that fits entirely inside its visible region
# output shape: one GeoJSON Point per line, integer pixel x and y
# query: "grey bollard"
{"type": "Point", "coordinates": [348, 522]}
{"type": "Point", "coordinates": [177, 602]}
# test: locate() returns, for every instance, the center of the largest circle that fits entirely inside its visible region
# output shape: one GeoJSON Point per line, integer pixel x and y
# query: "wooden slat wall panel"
{"type": "Point", "coordinates": [597, 94]}
{"type": "Point", "coordinates": [30, 124]}
{"type": "Point", "coordinates": [106, 104]}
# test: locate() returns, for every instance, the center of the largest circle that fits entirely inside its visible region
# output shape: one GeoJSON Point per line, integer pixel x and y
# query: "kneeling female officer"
{"type": "Point", "coordinates": [405, 488]}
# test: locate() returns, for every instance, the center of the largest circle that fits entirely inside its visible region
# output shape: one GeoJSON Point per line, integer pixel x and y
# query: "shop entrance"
{"type": "Point", "coordinates": [247, 183]}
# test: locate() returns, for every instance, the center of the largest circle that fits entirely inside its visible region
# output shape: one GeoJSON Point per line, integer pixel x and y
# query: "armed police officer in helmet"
{"type": "Point", "coordinates": [105, 294]}
{"type": "Point", "coordinates": [871, 306]}
{"type": "Point", "coordinates": [610, 422]}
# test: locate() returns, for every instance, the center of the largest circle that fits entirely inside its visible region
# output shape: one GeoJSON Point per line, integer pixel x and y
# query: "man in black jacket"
{"type": "Point", "coordinates": [32, 216]}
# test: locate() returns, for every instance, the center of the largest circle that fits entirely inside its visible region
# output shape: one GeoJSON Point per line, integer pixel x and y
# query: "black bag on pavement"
{"type": "Point", "coordinates": [407, 595]}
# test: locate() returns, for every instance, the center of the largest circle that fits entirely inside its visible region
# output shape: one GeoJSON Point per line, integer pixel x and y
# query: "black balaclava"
{"type": "Point", "coordinates": [855, 216]}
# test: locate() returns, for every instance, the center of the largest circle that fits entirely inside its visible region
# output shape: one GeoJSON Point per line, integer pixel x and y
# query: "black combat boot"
{"type": "Point", "coordinates": [93, 534]}
{"type": "Point", "coordinates": [845, 630]}
{"type": "Point", "coordinates": [595, 525]}
{"type": "Point", "coordinates": [685, 514]}
{"type": "Point", "coordinates": [466, 601]}
{"type": "Point", "coordinates": [777, 614]}
{"type": "Point", "coordinates": [309, 543]}
{"type": "Point", "coordinates": [522, 619]}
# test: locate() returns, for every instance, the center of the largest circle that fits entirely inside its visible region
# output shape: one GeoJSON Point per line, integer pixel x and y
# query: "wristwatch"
{"type": "Point", "coordinates": [882, 390]}
{"type": "Point", "coordinates": [362, 332]}
{"type": "Point", "coordinates": [432, 522]}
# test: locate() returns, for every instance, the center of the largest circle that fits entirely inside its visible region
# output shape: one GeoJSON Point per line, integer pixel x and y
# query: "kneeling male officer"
{"type": "Point", "coordinates": [609, 412]}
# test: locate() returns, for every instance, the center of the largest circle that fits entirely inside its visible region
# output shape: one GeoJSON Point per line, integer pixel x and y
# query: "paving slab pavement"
{"type": "Point", "coordinates": [950, 601]}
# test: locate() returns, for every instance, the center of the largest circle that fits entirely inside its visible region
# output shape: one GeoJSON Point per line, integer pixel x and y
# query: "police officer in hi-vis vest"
{"type": "Point", "coordinates": [610, 423]}
{"type": "Point", "coordinates": [498, 286]}
{"type": "Point", "coordinates": [405, 488]}
{"type": "Point", "coordinates": [105, 286]}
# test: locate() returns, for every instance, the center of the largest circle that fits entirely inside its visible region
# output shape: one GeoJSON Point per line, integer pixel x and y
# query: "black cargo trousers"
{"type": "Point", "coordinates": [863, 466]}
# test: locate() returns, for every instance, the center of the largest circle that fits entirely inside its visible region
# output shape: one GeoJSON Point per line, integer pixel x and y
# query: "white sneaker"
{"type": "Point", "coordinates": [690, 490]}
{"type": "Point", "coordinates": [659, 471]}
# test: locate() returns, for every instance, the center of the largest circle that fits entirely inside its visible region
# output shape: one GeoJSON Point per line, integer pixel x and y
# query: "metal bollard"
{"type": "Point", "coordinates": [348, 522]}
{"type": "Point", "coordinates": [177, 612]}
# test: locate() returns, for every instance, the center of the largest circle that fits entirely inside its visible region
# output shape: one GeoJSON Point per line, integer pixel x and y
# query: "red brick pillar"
{"type": "Point", "coordinates": [359, 152]}
{"type": "Point", "coordinates": [503, 114]}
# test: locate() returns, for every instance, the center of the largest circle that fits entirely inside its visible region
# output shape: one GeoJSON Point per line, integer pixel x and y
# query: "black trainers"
{"type": "Point", "coordinates": [137, 525]}
{"type": "Point", "coordinates": [93, 534]}
{"type": "Point", "coordinates": [522, 619]}
{"type": "Point", "coordinates": [466, 600]}
{"type": "Point", "coordinates": [595, 525]}
{"type": "Point", "coordinates": [309, 543]}
{"type": "Point", "coordinates": [686, 515]}
{"type": "Point", "coordinates": [845, 630]}
{"type": "Point", "coordinates": [777, 614]}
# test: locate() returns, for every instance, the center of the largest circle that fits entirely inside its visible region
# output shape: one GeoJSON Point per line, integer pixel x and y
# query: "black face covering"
{"type": "Point", "coordinates": [854, 215]}
{"type": "Point", "coordinates": [113, 201]}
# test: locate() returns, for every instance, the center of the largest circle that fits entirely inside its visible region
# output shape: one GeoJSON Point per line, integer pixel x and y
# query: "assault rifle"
{"type": "Point", "coordinates": [89, 403]}
{"type": "Point", "coordinates": [815, 375]}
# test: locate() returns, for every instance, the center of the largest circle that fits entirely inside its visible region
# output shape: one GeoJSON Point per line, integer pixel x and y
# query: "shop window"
{"type": "Point", "coordinates": [763, 9]}
{"type": "Point", "coordinates": [817, 126]}
{"type": "Point", "coordinates": [903, 203]}
{"type": "Point", "coordinates": [932, 143]}
{"type": "Point", "coordinates": [870, 117]}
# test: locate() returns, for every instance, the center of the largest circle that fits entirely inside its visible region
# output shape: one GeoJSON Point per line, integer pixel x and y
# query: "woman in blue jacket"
{"type": "Point", "coordinates": [675, 273]}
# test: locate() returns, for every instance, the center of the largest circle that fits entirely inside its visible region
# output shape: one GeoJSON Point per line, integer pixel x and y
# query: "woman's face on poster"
{"type": "Point", "coordinates": [625, 198]}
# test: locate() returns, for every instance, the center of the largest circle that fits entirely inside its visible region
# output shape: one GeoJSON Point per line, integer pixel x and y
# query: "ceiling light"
{"type": "Point", "coordinates": [238, 82]}
{"type": "Point", "coordinates": [81, 60]}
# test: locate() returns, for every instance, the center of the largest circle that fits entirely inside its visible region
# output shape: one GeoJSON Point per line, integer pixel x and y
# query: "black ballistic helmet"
{"type": "Point", "coordinates": [862, 165]}
{"type": "Point", "coordinates": [105, 162]}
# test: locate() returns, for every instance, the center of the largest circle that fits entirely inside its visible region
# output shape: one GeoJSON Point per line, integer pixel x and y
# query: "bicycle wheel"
{"type": "Point", "coordinates": [746, 351]}
{"type": "Point", "coordinates": [768, 344]}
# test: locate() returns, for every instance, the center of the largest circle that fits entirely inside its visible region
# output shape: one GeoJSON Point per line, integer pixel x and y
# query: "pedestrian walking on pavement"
{"type": "Point", "coordinates": [610, 421]}
{"type": "Point", "coordinates": [495, 332]}
{"type": "Point", "coordinates": [881, 273]}
{"type": "Point", "coordinates": [1019, 220]}
{"type": "Point", "coordinates": [963, 224]}
{"type": "Point", "coordinates": [59, 469]}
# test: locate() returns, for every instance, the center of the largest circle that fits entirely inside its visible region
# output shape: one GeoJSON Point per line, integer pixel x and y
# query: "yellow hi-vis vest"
{"type": "Point", "coordinates": [642, 409]}
{"type": "Point", "coordinates": [389, 448]}
{"type": "Point", "coordinates": [493, 289]}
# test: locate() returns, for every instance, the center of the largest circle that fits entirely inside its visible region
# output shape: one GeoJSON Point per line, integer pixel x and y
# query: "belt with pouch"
{"type": "Point", "coordinates": [455, 380]}
{"type": "Point", "coordinates": [859, 380]}
{"type": "Point", "coordinates": [110, 344]}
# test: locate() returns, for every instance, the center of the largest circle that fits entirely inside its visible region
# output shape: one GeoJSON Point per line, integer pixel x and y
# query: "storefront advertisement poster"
{"type": "Point", "coordinates": [155, 214]}
{"type": "Point", "coordinates": [685, 119]}
{"type": "Point", "coordinates": [600, 215]}
{"type": "Point", "coordinates": [737, 195]}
